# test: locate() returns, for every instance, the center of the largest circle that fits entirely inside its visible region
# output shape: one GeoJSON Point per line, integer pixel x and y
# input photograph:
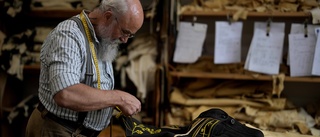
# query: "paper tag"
{"type": "Point", "coordinates": [315, 15]}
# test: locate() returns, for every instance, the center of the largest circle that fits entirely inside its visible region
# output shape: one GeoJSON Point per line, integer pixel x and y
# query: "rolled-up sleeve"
{"type": "Point", "coordinates": [64, 60]}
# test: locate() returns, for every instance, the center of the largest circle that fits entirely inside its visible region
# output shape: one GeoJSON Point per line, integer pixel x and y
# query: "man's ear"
{"type": "Point", "coordinates": [108, 14]}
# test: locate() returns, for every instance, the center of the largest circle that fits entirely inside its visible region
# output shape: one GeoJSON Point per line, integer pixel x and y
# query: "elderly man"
{"type": "Point", "coordinates": [69, 106]}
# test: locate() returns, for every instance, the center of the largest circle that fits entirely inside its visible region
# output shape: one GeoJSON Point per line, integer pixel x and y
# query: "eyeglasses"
{"type": "Point", "coordinates": [125, 33]}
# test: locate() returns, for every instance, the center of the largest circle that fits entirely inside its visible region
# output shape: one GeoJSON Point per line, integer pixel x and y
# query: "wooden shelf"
{"type": "Point", "coordinates": [54, 13]}
{"type": "Point", "coordinates": [250, 14]}
{"type": "Point", "coordinates": [32, 67]}
{"type": "Point", "coordinates": [240, 76]}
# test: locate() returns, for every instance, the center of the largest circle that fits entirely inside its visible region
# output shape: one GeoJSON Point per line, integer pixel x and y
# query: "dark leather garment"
{"type": "Point", "coordinates": [210, 123]}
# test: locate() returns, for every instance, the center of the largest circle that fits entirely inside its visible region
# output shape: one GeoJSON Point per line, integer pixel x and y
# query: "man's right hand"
{"type": "Point", "coordinates": [129, 104]}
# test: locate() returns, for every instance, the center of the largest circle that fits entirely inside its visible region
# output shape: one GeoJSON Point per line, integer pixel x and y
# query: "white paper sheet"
{"type": "Point", "coordinates": [317, 30]}
{"type": "Point", "coordinates": [316, 60]}
{"type": "Point", "coordinates": [227, 42]}
{"type": "Point", "coordinates": [301, 51]}
{"type": "Point", "coordinates": [275, 28]}
{"type": "Point", "coordinates": [189, 42]}
{"type": "Point", "coordinates": [265, 52]}
{"type": "Point", "coordinates": [299, 28]}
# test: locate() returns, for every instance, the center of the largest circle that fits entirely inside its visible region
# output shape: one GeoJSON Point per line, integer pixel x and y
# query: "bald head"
{"type": "Point", "coordinates": [135, 14]}
{"type": "Point", "coordinates": [128, 11]}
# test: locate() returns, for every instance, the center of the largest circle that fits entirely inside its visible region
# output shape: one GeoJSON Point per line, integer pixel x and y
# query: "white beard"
{"type": "Point", "coordinates": [107, 51]}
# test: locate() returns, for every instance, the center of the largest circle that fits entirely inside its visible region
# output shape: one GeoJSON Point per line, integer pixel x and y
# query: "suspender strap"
{"type": "Point", "coordinates": [89, 71]}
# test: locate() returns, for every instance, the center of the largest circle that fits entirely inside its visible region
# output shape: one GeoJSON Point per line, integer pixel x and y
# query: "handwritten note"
{"type": "Point", "coordinates": [265, 52]}
{"type": "Point", "coordinates": [260, 38]}
{"type": "Point", "coordinates": [189, 42]}
{"type": "Point", "coordinates": [275, 27]}
{"type": "Point", "coordinates": [301, 54]}
{"type": "Point", "coordinates": [316, 59]}
{"type": "Point", "coordinates": [227, 42]}
{"type": "Point", "coordinates": [299, 28]}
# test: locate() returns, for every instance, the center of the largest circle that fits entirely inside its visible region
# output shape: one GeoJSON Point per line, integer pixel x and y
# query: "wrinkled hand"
{"type": "Point", "coordinates": [129, 104]}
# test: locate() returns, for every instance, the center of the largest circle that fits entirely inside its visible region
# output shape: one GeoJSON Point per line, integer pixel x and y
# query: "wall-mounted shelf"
{"type": "Point", "coordinates": [239, 76]}
{"type": "Point", "coordinates": [32, 67]}
{"type": "Point", "coordinates": [250, 14]}
{"type": "Point", "coordinates": [53, 13]}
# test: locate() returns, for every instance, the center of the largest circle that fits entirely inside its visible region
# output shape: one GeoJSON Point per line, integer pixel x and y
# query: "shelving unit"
{"type": "Point", "coordinates": [177, 76]}
{"type": "Point", "coordinates": [12, 93]}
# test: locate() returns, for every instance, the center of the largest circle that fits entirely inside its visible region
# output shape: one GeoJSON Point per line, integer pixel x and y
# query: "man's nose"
{"type": "Point", "coordinates": [123, 39]}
